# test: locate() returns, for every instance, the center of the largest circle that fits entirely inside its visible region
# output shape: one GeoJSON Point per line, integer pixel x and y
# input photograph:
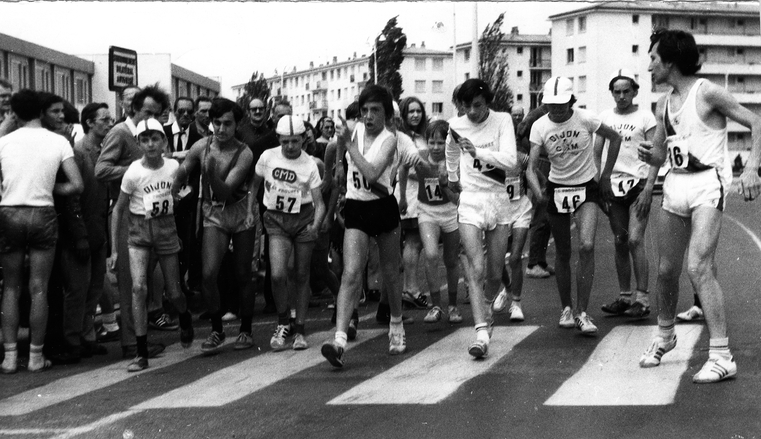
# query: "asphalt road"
{"type": "Point", "coordinates": [539, 381]}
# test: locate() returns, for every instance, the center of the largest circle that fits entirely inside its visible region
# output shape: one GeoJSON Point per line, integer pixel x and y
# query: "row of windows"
{"type": "Point", "coordinates": [304, 81]}
{"type": "Point", "coordinates": [438, 63]}
{"type": "Point", "coordinates": [582, 22]}
{"type": "Point", "coordinates": [46, 77]}
{"type": "Point", "coordinates": [436, 86]}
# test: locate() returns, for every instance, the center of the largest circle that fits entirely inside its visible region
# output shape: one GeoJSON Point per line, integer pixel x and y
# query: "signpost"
{"type": "Point", "coordinates": [122, 68]}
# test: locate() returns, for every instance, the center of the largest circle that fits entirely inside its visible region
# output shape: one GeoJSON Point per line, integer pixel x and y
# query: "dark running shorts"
{"type": "Point", "coordinates": [373, 218]}
{"type": "Point", "coordinates": [23, 227]}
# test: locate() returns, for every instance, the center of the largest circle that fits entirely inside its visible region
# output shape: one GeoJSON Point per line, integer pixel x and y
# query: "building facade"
{"type": "Point", "coordinates": [590, 43]}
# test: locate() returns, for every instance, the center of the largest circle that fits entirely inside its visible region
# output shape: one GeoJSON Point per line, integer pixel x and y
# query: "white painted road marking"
{"type": "Point", "coordinates": [612, 376]}
{"type": "Point", "coordinates": [77, 385]}
{"type": "Point", "coordinates": [242, 379]}
{"type": "Point", "coordinates": [436, 372]}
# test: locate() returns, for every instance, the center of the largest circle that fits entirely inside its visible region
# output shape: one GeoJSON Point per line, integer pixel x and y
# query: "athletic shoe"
{"type": "Point", "coordinates": [478, 349]}
{"type": "Point", "coordinates": [244, 341]}
{"type": "Point", "coordinates": [434, 315]}
{"type": "Point", "coordinates": [638, 310]}
{"type": "Point", "coordinates": [333, 353]}
{"type": "Point", "coordinates": [105, 336]}
{"type": "Point", "coordinates": [454, 315]}
{"type": "Point", "coordinates": [692, 314]}
{"type": "Point", "coordinates": [500, 302]}
{"type": "Point", "coordinates": [9, 367]}
{"type": "Point", "coordinates": [537, 272]}
{"type": "Point", "coordinates": [229, 317]}
{"type": "Point", "coordinates": [585, 325]}
{"type": "Point", "coordinates": [516, 313]}
{"type": "Point", "coordinates": [397, 342]}
{"type": "Point", "coordinates": [550, 269]}
{"type": "Point", "coordinates": [653, 354]}
{"type": "Point", "coordinates": [300, 342]}
{"type": "Point", "coordinates": [566, 318]}
{"type": "Point", "coordinates": [138, 364]}
{"type": "Point", "coordinates": [351, 333]}
{"type": "Point", "coordinates": [163, 322]}
{"type": "Point", "coordinates": [420, 302]}
{"type": "Point", "coordinates": [277, 342]}
{"type": "Point", "coordinates": [617, 307]}
{"type": "Point", "coordinates": [186, 336]}
{"type": "Point", "coordinates": [715, 370]}
{"type": "Point", "coordinates": [213, 343]}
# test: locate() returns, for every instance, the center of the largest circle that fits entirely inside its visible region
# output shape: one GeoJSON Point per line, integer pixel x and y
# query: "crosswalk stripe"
{"type": "Point", "coordinates": [240, 380]}
{"type": "Point", "coordinates": [612, 375]}
{"type": "Point", "coordinates": [77, 385]}
{"type": "Point", "coordinates": [436, 372]}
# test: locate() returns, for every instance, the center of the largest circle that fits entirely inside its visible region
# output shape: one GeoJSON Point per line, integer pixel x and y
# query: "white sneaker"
{"type": "Point", "coordinates": [434, 315]}
{"type": "Point", "coordinates": [454, 315]}
{"type": "Point", "coordinates": [397, 342]}
{"type": "Point", "coordinates": [585, 325]}
{"type": "Point", "coordinates": [516, 313]}
{"type": "Point", "coordinates": [300, 342]}
{"type": "Point", "coordinates": [537, 272]}
{"type": "Point", "coordinates": [500, 302]}
{"type": "Point", "coordinates": [653, 354]}
{"type": "Point", "coordinates": [715, 370]}
{"type": "Point", "coordinates": [566, 318]}
{"type": "Point", "coordinates": [229, 317]}
{"type": "Point", "coordinates": [692, 314]}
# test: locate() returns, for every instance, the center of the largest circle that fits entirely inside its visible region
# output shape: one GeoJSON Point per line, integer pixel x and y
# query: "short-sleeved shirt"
{"type": "Point", "coordinates": [569, 146]}
{"type": "Point", "coordinates": [30, 159]}
{"type": "Point", "coordinates": [632, 127]}
{"type": "Point", "coordinates": [150, 190]}
{"type": "Point", "coordinates": [288, 183]}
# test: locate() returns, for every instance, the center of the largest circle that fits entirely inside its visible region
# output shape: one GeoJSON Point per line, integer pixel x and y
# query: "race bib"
{"type": "Point", "coordinates": [621, 184]}
{"type": "Point", "coordinates": [433, 189]}
{"type": "Point", "coordinates": [514, 188]}
{"type": "Point", "coordinates": [158, 203]}
{"type": "Point", "coordinates": [568, 199]}
{"type": "Point", "coordinates": [284, 200]}
{"type": "Point", "coordinates": [678, 152]}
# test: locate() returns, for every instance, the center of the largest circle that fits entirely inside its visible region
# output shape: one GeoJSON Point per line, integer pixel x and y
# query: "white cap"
{"type": "Point", "coordinates": [150, 125]}
{"type": "Point", "coordinates": [623, 74]}
{"type": "Point", "coordinates": [557, 90]}
{"type": "Point", "coordinates": [290, 126]}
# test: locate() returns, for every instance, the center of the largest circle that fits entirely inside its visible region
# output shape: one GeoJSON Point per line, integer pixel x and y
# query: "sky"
{"type": "Point", "coordinates": [229, 41]}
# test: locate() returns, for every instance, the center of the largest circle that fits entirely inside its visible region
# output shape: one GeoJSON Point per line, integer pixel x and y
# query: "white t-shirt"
{"type": "Point", "coordinates": [569, 146]}
{"type": "Point", "coordinates": [494, 140]}
{"type": "Point", "coordinates": [288, 183]}
{"type": "Point", "coordinates": [357, 187]}
{"type": "Point", "coordinates": [632, 128]}
{"type": "Point", "coordinates": [30, 159]}
{"type": "Point", "coordinates": [150, 190]}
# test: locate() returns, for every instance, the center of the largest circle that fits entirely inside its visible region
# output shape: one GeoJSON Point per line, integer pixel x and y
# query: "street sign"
{"type": "Point", "coordinates": [122, 68]}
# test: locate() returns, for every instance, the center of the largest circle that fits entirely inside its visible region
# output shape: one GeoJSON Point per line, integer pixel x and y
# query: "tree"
{"type": "Point", "coordinates": [255, 88]}
{"type": "Point", "coordinates": [390, 53]}
{"type": "Point", "coordinates": [493, 66]}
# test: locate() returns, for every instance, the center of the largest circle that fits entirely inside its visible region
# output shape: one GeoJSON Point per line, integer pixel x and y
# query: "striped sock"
{"type": "Point", "coordinates": [626, 295]}
{"type": "Point", "coordinates": [719, 347]}
{"type": "Point", "coordinates": [482, 332]}
{"type": "Point", "coordinates": [643, 297]}
{"type": "Point", "coordinates": [665, 328]}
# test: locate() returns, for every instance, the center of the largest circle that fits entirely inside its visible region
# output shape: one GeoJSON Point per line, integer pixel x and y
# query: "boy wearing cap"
{"type": "Point", "coordinates": [632, 184]}
{"type": "Point", "coordinates": [565, 133]}
{"type": "Point", "coordinates": [295, 211]}
{"type": "Point", "coordinates": [146, 191]}
{"type": "Point", "coordinates": [229, 213]}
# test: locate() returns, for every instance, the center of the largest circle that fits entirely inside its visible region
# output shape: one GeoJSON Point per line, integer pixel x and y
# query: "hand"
{"type": "Point", "coordinates": [750, 184]}
{"type": "Point", "coordinates": [455, 186]}
{"type": "Point", "coordinates": [340, 177]}
{"type": "Point", "coordinates": [343, 133]}
{"type": "Point", "coordinates": [326, 225]}
{"type": "Point", "coordinates": [541, 197]}
{"type": "Point", "coordinates": [642, 204]}
{"type": "Point", "coordinates": [82, 250]}
{"type": "Point", "coordinates": [403, 205]}
{"type": "Point", "coordinates": [606, 192]}
{"type": "Point", "coordinates": [467, 146]}
{"type": "Point", "coordinates": [111, 261]}
{"type": "Point", "coordinates": [645, 151]}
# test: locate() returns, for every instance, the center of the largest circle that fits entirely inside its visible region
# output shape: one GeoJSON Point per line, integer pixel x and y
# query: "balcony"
{"type": "Point", "coordinates": [321, 104]}
{"type": "Point", "coordinates": [362, 84]}
{"type": "Point", "coordinates": [320, 86]}
{"type": "Point", "coordinates": [540, 64]}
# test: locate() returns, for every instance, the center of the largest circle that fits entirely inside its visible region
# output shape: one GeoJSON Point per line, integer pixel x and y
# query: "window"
{"type": "Point", "coordinates": [582, 84]}
{"type": "Point", "coordinates": [364, 76]}
{"type": "Point", "coordinates": [467, 55]}
{"type": "Point", "coordinates": [437, 107]}
{"type": "Point", "coordinates": [519, 73]}
{"type": "Point", "coordinates": [519, 50]}
{"type": "Point", "coordinates": [332, 75]}
{"type": "Point", "coordinates": [339, 93]}
{"type": "Point", "coordinates": [582, 24]}
{"type": "Point", "coordinates": [740, 80]}
{"type": "Point", "coordinates": [467, 76]}
{"type": "Point", "coordinates": [519, 97]}
{"type": "Point", "coordinates": [740, 52]}
{"type": "Point", "coordinates": [351, 78]}
{"type": "Point", "coordinates": [420, 64]}
{"type": "Point", "coordinates": [582, 55]}
{"type": "Point", "coordinates": [419, 86]}
{"type": "Point", "coordinates": [437, 86]}
{"type": "Point", "coordinates": [660, 21]}
{"type": "Point", "coordinates": [324, 76]}
{"type": "Point", "coordinates": [635, 19]}
{"type": "Point", "coordinates": [80, 92]}
{"type": "Point", "coordinates": [569, 26]}
{"type": "Point", "coordinates": [438, 64]}
{"type": "Point", "coordinates": [635, 49]}
{"type": "Point", "coordinates": [338, 73]}
{"type": "Point", "coordinates": [569, 56]}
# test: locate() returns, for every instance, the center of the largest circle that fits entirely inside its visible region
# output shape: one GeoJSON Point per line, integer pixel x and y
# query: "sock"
{"type": "Point", "coordinates": [719, 347]}
{"type": "Point", "coordinates": [293, 313]}
{"type": "Point", "coordinates": [665, 328]}
{"type": "Point", "coordinates": [341, 338]}
{"type": "Point", "coordinates": [482, 333]}
{"type": "Point", "coordinates": [11, 356]}
{"type": "Point", "coordinates": [516, 299]}
{"type": "Point", "coordinates": [626, 295]}
{"type": "Point", "coordinates": [216, 322]}
{"type": "Point", "coordinates": [142, 346]}
{"type": "Point", "coordinates": [109, 319]}
{"type": "Point", "coordinates": [36, 359]}
{"type": "Point", "coordinates": [643, 297]}
{"type": "Point", "coordinates": [299, 329]}
{"type": "Point", "coordinates": [111, 327]}
{"type": "Point", "coordinates": [283, 318]}
{"type": "Point", "coordinates": [396, 320]}
{"type": "Point", "coordinates": [246, 324]}
{"type": "Point", "coordinates": [186, 320]}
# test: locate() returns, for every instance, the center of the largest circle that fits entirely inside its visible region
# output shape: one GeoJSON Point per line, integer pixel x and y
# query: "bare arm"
{"type": "Point", "coordinates": [372, 171]}
{"type": "Point", "coordinates": [645, 198]}
{"type": "Point", "coordinates": [116, 216]}
{"type": "Point", "coordinates": [531, 174]}
{"type": "Point", "coordinates": [319, 209]}
{"type": "Point", "coordinates": [654, 152]}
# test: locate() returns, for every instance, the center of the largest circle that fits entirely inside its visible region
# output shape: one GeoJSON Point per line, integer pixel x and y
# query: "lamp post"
{"type": "Point", "coordinates": [379, 38]}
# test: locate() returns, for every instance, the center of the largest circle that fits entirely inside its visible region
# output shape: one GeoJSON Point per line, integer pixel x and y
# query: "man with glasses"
{"type": "Point", "coordinates": [120, 149]}
{"type": "Point", "coordinates": [178, 133]}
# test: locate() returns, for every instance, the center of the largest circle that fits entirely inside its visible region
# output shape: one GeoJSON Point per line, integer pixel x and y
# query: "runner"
{"type": "Point", "coordinates": [632, 184]}
{"type": "Point", "coordinates": [565, 133]}
{"type": "Point", "coordinates": [295, 211]}
{"type": "Point", "coordinates": [146, 192]}
{"type": "Point", "coordinates": [692, 130]}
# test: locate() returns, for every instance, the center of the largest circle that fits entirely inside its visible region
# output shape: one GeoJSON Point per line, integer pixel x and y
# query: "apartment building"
{"type": "Point", "coordinates": [589, 43]}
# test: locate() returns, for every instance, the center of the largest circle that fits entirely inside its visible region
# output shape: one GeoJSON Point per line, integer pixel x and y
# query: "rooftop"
{"type": "Point", "coordinates": [667, 7]}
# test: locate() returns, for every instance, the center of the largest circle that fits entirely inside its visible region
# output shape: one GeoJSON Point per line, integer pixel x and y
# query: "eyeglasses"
{"type": "Point", "coordinates": [105, 119]}
{"type": "Point", "coordinates": [256, 109]}
{"type": "Point", "coordinates": [184, 111]}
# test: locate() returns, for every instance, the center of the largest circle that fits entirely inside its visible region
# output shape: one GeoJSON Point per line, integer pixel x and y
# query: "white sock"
{"type": "Point", "coordinates": [719, 347]}
{"type": "Point", "coordinates": [341, 338]}
{"type": "Point", "coordinates": [11, 356]}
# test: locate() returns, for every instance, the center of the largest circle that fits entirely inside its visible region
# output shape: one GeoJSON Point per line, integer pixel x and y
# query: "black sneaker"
{"type": "Point", "coordinates": [154, 349]}
{"type": "Point", "coordinates": [138, 364]}
{"type": "Point", "coordinates": [333, 353]}
{"type": "Point", "coordinates": [420, 302]}
{"type": "Point", "coordinates": [163, 322]}
{"type": "Point", "coordinates": [186, 336]}
{"type": "Point", "coordinates": [638, 310]}
{"type": "Point", "coordinates": [106, 336]}
{"type": "Point", "coordinates": [351, 334]}
{"type": "Point", "coordinates": [617, 307]}
{"type": "Point", "coordinates": [213, 343]}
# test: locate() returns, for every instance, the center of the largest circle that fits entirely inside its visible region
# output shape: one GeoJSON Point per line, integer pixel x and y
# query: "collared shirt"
{"type": "Point", "coordinates": [177, 134]}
